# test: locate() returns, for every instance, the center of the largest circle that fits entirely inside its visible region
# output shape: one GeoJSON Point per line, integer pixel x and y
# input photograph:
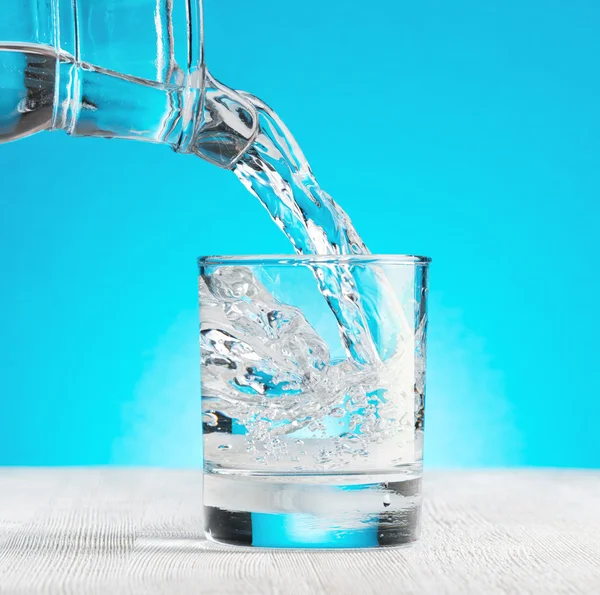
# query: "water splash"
{"type": "Point", "coordinates": [275, 170]}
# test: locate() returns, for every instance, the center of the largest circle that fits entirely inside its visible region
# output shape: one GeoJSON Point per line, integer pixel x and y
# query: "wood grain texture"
{"type": "Point", "coordinates": [134, 531]}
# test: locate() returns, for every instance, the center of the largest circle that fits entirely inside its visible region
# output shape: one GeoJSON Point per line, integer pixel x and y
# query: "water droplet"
{"type": "Point", "coordinates": [224, 446]}
{"type": "Point", "coordinates": [210, 419]}
{"type": "Point", "coordinates": [299, 441]}
{"type": "Point", "coordinates": [302, 452]}
{"type": "Point", "coordinates": [386, 500]}
{"type": "Point", "coordinates": [362, 452]}
{"type": "Point", "coordinates": [261, 460]}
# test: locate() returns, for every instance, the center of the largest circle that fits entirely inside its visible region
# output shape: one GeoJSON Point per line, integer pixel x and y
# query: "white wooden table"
{"type": "Point", "coordinates": [111, 532]}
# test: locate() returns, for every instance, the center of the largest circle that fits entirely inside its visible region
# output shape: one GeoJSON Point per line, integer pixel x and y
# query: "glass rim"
{"type": "Point", "coordinates": [291, 259]}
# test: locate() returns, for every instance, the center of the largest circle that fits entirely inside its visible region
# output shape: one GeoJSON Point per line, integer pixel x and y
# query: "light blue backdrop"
{"type": "Point", "coordinates": [468, 131]}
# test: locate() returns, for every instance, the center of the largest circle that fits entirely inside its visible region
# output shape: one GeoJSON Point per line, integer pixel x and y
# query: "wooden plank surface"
{"type": "Point", "coordinates": [125, 531]}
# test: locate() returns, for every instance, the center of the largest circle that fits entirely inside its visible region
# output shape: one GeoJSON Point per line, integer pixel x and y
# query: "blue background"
{"type": "Point", "coordinates": [468, 131]}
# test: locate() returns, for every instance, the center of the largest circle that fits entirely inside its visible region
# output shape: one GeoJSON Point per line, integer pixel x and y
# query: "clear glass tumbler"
{"type": "Point", "coordinates": [305, 445]}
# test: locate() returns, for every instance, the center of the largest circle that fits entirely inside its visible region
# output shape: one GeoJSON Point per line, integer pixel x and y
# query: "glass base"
{"type": "Point", "coordinates": [314, 511]}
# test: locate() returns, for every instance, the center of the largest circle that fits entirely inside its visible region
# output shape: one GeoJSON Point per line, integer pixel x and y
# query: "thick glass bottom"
{"type": "Point", "coordinates": [316, 511]}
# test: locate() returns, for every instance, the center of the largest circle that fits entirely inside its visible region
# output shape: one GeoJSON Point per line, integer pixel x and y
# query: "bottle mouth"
{"type": "Point", "coordinates": [227, 126]}
{"type": "Point", "coordinates": [313, 259]}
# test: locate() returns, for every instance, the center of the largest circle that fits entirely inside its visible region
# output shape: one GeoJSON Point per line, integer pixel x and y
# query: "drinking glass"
{"type": "Point", "coordinates": [307, 445]}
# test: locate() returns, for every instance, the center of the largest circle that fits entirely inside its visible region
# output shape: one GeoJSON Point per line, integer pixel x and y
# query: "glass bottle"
{"type": "Point", "coordinates": [117, 69]}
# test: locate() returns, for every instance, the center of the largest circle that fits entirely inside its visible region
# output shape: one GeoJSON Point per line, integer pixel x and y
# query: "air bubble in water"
{"type": "Point", "coordinates": [386, 500]}
{"type": "Point", "coordinates": [323, 456]}
{"type": "Point", "coordinates": [337, 412]}
{"type": "Point", "coordinates": [355, 421]}
{"type": "Point", "coordinates": [357, 398]}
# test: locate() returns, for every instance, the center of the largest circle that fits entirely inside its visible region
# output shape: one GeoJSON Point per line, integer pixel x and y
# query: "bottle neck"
{"type": "Point", "coordinates": [198, 116]}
